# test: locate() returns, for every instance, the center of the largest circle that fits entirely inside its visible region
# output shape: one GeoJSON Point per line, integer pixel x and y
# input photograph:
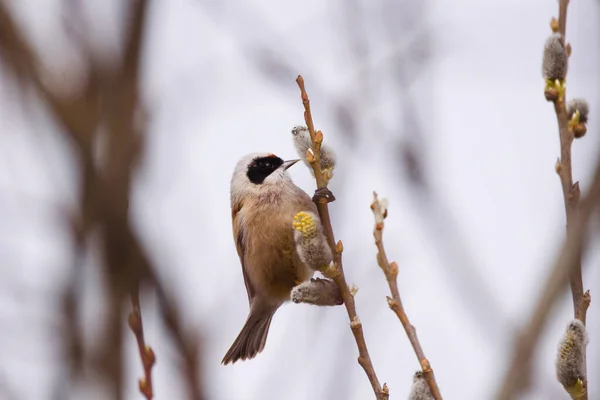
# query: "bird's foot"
{"type": "Point", "coordinates": [325, 194]}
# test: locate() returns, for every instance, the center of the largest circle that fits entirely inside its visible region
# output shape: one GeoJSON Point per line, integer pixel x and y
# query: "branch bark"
{"type": "Point", "coordinates": [322, 197]}
{"type": "Point", "coordinates": [395, 302]}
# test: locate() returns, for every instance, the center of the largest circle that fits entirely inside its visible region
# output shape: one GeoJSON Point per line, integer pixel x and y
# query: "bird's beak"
{"type": "Point", "coordinates": [289, 163]}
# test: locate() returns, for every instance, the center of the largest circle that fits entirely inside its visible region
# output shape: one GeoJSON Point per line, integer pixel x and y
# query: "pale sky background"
{"type": "Point", "coordinates": [219, 77]}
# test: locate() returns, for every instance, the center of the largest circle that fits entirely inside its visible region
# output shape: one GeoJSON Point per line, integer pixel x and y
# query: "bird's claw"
{"type": "Point", "coordinates": [325, 194]}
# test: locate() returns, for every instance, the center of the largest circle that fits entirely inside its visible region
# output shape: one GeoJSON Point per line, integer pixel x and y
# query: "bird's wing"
{"type": "Point", "coordinates": [239, 234]}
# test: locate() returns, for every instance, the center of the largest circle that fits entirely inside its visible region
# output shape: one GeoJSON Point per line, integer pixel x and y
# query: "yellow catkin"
{"type": "Point", "coordinates": [305, 224]}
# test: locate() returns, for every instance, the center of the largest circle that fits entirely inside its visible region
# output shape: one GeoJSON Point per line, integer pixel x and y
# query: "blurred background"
{"type": "Point", "coordinates": [437, 106]}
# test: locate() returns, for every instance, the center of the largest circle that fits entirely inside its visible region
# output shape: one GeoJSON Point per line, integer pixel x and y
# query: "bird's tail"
{"type": "Point", "coordinates": [252, 338]}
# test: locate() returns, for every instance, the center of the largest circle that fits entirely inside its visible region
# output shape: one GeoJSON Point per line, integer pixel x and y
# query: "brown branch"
{"type": "Point", "coordinates": [519, 371]}
{"type": "Point", "coordinates": [146, 353]}
{"type": "Point", "coordinates": [571, 191]}
{"type": "Point", "coordinates": [322, 197]}
{"type": "Point", "coordinates": [562, 17]}
{"type": "Point", "coordinates": [395, 302]}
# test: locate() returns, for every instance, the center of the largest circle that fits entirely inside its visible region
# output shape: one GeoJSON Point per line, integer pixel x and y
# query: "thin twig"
{"type": "Point", "coordinates": [562, 17]}
{"type": "Point", "coordinates": [519, 371]}
{"type": "Point", "coordinates": [146, 353]}
{"type": "Point", "coordinates": [395, 302]}
{"type": "Point", "coordinates": [322, 197]}
{"type": "Point", "coordinates": [571, 191]}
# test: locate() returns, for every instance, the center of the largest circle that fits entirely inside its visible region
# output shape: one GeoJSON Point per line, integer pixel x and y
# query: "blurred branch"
{"type": "Point", "coordinates": [519, 370]}
{"type": "Point", "coordinates": [187, 344]}
{"type": "Point", "coordinates": [322, 197]}
{"type": "Point", "coordinates": [395, 302]}
{"type": "Point", "coordinates": [146, 353]}
{"type": "Point", "coordinates": [109, 104]}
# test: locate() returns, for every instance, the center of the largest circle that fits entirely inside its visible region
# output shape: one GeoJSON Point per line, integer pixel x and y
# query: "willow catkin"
{"type": "Point", "coordinates": [570, 360]}
{"type": "Point", "coordinates": [555, 62]}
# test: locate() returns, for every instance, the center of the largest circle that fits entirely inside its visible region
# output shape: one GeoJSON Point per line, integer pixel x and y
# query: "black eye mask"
{"type": "Point", "coordinates": [261, 167]}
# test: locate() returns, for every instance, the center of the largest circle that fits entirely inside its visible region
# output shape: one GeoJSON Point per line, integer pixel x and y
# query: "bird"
{"type": "Point", "coordinates": [264, 201]}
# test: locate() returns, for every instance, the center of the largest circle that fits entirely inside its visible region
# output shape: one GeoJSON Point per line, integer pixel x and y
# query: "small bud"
{"type": "Point", "coordinates": [579, 131]}
{"type": "Point", "coordinates": [425, 365]}
{"type": "Point", "coordinates": [551, 92]}
{"type": "Point", "coordinates": [134, 321]}
{"type": "Point", "coordinates": [149, 356]}
{"type": "Point", "coordinates": [554, 25]}
{"type": "Point", "coordinates": [568, 49]}
{"type": "Point", "coordinates": [558, 166]}
{"type": "Point", "coordinates": [309, 157]}
{"type": "Point", "coordinates": [379, 207]}
{"type": "Point", "coordinates": [394, 269]}
{"type": "Point", "coordinates": [311, 243]}
{"type": "Point", "coordinates": [339, 247]}
{"type": "Point", "coordinates": [420, 389]}
{"type": "Point", "coordinates": [570, 361]}
{"type": "Point", "coordinates": [556, 60]}
{"type": "Point", "coordinates": [385, 389]}
{"type": "Point", "coordinates": [355, 323]}
{"type": "Point", "coordinates": [330, 271]}
{"type": "Point", "coordinates": [145, 388]}
{"type": "Point", "coordinates": [391, 302]}
{"type": "Point", "coordinates": [353, 290]}
{"type": "Point", "coordinates": [318, 137]}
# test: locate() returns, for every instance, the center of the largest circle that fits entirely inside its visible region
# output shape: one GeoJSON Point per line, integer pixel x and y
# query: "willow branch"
{"type": "Point", "coordinates": [322, 197]}
{"type": "Point", "coordinates": [571, 191]}
{"type": "Point", "coordinates": [395, 302]}
{"type": "Point", "coordinates": [562, 17]}
{"type": "Point", "coordinates": [519, 370]}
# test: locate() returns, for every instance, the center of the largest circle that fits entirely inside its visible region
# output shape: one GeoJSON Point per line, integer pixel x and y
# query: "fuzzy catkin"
{"type": "Point", "coordinates": [311, 243]}
{"type": "Point", "coordinates": [580, 105]}
{"type": "Point", "coordinates": [420, 389]}
{"type": "Point", "coordinates": [556, 60]}
{"type": "Point", "coordinates": [302, 143]}
{"type": "Point", "coordinates": [320, 292]}
{"type": "Point", "coordinates": [570, 361]}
